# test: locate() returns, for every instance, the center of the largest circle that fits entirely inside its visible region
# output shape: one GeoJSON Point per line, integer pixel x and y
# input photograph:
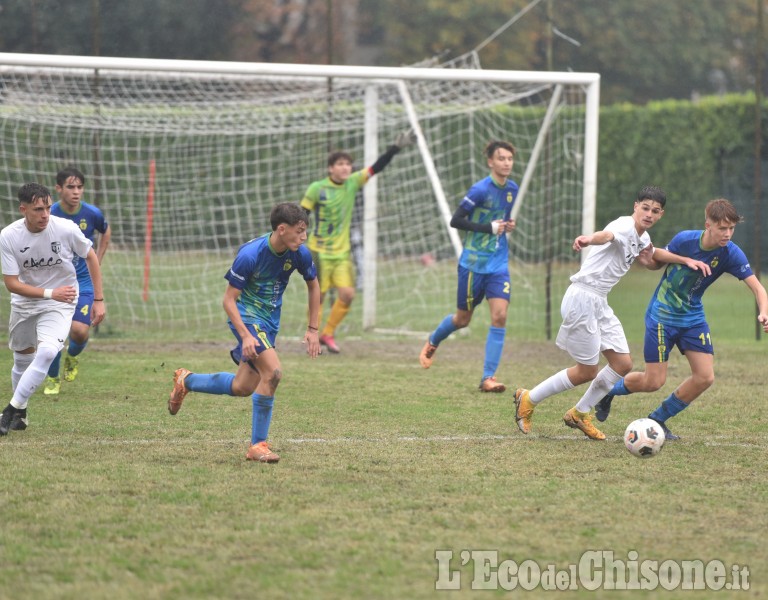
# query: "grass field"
{"type": "Point", "coordinates": [383, 466]}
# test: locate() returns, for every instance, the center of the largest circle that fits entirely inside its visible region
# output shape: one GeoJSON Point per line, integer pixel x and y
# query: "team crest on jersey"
{"type": "Point", "coordinates": [83, 225]}
{"type": "Point", "coordinates": [509, 198]}
{"type": "Point", "coordinates": [287, 266]}
{"type": "Point", "coordinates": [715, 262]}
{"type": "Point", "coordinates": [56, 247]}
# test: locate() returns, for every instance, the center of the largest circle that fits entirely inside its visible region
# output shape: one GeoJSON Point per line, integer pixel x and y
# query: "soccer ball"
{"type": "Point", "coordinates": [644, 438]}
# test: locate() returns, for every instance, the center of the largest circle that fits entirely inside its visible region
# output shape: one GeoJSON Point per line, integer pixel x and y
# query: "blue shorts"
{"type": "Point", "coordinates": [473, 287]}
{"type": "Point", "coordinates": [83, 310]}
{"type": "Point", "coordinates": [660, 339]}
{"type": "Point", "coordinates": [265, 337]}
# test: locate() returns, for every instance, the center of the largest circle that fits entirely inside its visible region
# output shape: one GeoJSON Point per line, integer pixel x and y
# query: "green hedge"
{"type": "Point", "coordinates": [696, 151]}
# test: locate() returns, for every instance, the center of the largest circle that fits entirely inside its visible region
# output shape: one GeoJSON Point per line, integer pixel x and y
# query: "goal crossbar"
{"type": "Point", "coordinates": [228, 135]}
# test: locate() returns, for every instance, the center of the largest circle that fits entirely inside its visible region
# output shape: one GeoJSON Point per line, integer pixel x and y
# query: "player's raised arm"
{"type": "Point", "coordinates": [595, 239]}
{"type": "Point", "coordinates": [404, 139]}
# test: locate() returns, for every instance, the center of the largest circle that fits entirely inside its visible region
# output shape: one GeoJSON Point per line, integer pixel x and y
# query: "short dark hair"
{"type": "Point", "coordinates": [494, 145]}
{"type": "Point", "coordinates": [29, 192]}
{"type": "Point", "coordinates": [721, 210]}
{"type": "Point", "coordinates": [334, 157]}
{"type": "Point", "coordinates": [652, 192]}
{"type": "Point", "coordinates": [289, 213]}
{"type": "Point", "coordinates": [67, 172]}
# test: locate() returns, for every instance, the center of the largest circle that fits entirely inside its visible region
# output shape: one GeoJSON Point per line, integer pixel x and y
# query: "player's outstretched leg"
{"type": "Point", "coordinates": [603, 408]}
{"type": "Point", "coordinates": [580, 420]}
{"type": "Point", "coordinates": [179, 391]}
{"type": "Point", "coordinates": [523, 410]}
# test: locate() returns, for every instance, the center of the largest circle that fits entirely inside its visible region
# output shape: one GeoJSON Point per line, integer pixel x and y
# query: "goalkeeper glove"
{"type": "Point", "coordinates": [406, 138]}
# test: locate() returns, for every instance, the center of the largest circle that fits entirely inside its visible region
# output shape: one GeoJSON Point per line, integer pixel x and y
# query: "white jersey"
{"type": "Point", "coordinates": [606, 264]}
{"type": "Point", "coordinates": [42, 259]}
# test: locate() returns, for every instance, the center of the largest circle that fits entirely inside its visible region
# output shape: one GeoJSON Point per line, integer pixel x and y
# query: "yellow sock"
{"type": "Point", "coordinates": [339, 310]}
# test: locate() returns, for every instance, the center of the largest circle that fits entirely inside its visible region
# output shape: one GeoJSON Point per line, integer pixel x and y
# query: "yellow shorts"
{"type": "Point", "coordinates": [334, 272]}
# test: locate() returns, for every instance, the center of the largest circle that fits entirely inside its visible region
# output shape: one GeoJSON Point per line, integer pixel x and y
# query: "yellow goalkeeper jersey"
{"type": "Point", "coordinates": [332, 205]}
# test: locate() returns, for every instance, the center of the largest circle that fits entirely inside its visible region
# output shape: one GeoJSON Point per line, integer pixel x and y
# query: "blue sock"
{"type": "Point", "coordinates": [494, 344]}
{"type": "Point", "coordinates": [75, 348]}
{"type": "Point", "coordinates": [210, 383]}
{"type": "Point", "coordinates": [619, 389]}
{"type": "Point", "coordinates": [443, 330]}
{"type": "Point", "coordinates": [668, 409]}
{"type": "Point", "coordinates": [262, 417]}
{"type": "Point", "coordinates": [53, 370]}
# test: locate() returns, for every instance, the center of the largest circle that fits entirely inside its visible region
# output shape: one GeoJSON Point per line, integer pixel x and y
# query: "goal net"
{"type": "Point", "coordinates": [186, 159]}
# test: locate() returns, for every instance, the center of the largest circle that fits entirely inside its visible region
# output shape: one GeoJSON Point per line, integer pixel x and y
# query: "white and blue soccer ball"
{"type": "Point", "coordinates": [644, 438]}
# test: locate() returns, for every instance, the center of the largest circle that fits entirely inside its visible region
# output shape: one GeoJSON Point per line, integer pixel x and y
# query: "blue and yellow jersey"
{"type": "Point", "coordinates": [89, 219]}
{"type": "Point", "coordinates": [487, 201]}
{"type": "Point", "coordinates": [677, 299]}
{"type": "Point", "coordinates": [261, 274]}
{"type": "Point", "coordinates": [332, 205]}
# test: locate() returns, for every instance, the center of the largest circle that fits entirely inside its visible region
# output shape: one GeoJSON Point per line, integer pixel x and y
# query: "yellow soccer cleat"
{"type": "Point", "coordinates": [523, 410]}
{"type": "Point", "coordinates": [579, 420]}
{"type": "Point", "coordinates": [52, 386]}
{"type": "Point", "coordinates": [70, 367]}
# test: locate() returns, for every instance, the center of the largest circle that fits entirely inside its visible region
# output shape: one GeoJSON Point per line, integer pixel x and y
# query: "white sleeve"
{"type": "Point", "coordinates": [10, 264]}
{"type": "Point", "coordinates": [81, 245]}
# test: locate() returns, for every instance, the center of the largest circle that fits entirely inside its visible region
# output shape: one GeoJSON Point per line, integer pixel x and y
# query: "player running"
{"type": "Point", "coordinates": [38, 271]}
{"type": "Point", "coordinates": [590, 326]}
{"type": "Point", "coordinates": [70, 183]}
{"type": "Point", "coordinates": [253, 301]}
{"type": "Point", "coordinates": [675, 314]}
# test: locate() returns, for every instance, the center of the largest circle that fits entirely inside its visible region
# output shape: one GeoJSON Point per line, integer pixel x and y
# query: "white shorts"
{"type": "Point", "coordinates": [589, 326]}
{"type": "Point", "coordinates": [27, 328]}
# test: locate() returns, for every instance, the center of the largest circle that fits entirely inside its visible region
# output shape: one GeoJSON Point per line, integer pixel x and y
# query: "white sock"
{"type": "Point", "coordinates": [20, 364]}
{"type": "Point", "coordinates": [559, 382]}
{"type": "Point", "coordinates": [599, 387]}
{"type": "Point", "coordinates": [33, 375]}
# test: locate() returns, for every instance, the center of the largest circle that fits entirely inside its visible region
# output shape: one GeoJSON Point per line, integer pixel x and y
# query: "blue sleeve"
{"type": "Point", "coordinates": [100, 223]}
{"type": "Point", "coordinates": [738, 263]}
{"type": "Point", "coordinates": [306, 265]}
{"type": "Point", "coordinates": [242, 269]}
{"type": "Point", "coordinates": [674, 244]}
{"type": "Point", "coordinates": [472, 198]}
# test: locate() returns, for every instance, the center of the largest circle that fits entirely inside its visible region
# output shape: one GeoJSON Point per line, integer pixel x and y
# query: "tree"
{"type": "Point", "coordinates": [643, 50]}
{"type": "Point", "coordinates": [300, 31]}
{"type": "Point", "coordinates": [140, 28]}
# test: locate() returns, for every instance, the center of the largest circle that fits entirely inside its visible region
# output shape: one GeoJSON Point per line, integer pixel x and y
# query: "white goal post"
{"type": "Point", "coordinates": [186, 158]}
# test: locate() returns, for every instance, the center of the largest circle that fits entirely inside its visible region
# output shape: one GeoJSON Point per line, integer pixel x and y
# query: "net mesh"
{"type": "Point", "coordinates": [226, 148]}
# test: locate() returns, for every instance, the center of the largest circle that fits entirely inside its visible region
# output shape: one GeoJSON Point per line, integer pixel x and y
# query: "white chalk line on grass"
{"type": "Point", "coordinates": [719, 441]}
